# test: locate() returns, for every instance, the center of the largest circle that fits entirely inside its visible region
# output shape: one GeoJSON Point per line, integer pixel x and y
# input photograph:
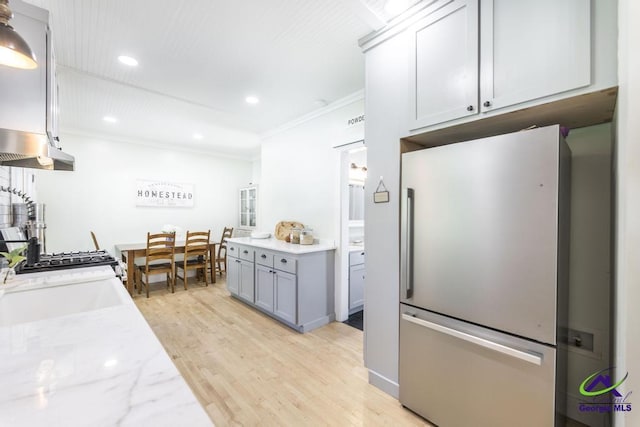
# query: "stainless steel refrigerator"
{"type": "Point", "coordinates": [484, 265]}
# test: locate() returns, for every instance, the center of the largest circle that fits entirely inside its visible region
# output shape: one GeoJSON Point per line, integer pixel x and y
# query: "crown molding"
{"type": "Point", "coordinates": [347, 100]}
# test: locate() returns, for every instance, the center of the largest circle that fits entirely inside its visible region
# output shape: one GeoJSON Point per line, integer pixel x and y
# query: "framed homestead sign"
{"type": "Point", "coordinates": [164, 194]}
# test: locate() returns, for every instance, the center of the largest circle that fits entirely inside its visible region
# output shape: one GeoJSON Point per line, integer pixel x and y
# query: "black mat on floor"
{"type": "Point", "coordinates": [355, 320]}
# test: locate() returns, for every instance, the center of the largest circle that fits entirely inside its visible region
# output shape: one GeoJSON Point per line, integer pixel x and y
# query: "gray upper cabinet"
{"type": "Point", "coordinates": [470, 57]}
{"type": "Point", "coordinates": [444, 64]}
{"type": "Point", "coordinates": [530, 50]}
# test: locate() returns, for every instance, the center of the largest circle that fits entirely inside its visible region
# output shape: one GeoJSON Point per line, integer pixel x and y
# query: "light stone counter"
{"type": "Point", "coordinates": [282, 246]}
{"type": "Point", "coordinates": [356, 248]}
{"type": "Point", "coordinates": [98, 368]}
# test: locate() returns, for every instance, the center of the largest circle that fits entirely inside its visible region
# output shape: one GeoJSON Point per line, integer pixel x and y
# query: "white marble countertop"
{"type": "Point", "coordinates": [282, 246]}
{"type": "Point", "coordinates": [95, 368]}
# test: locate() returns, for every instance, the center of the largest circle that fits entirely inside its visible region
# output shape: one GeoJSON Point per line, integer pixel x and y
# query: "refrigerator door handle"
{"type": "Point", "coordinates": [406, 243]}
{"type": "Point", "coordinates": [522, 355]}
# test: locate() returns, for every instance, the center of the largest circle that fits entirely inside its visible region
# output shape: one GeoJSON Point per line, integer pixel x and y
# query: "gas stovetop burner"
{"type": "Point", "coordinates": [64, 260]}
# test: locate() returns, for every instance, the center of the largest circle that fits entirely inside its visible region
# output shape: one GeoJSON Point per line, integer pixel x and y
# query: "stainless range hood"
{"type": "Point", "coordinates": [32, 150]}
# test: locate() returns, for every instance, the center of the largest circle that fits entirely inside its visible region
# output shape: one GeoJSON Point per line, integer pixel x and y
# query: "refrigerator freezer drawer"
{"type": "Point", "coordinates": [457, 374]}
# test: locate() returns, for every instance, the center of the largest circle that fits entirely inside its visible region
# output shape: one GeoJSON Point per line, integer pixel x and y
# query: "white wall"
{"type": "Point", "coordinates": [100, 194]}
{"type": "Point", "coordinates": [300, 180]}
{"type": "Point", "coordinates": [627, 316]}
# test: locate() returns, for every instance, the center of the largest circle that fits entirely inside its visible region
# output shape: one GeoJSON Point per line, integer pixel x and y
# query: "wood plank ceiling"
{"type": "Point", "coordinates": [198, 60]}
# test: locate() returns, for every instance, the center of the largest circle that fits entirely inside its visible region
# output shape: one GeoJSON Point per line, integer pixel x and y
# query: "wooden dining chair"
{"type": "Point", "coordinates": [95, 241]}
{"type": "Point", "coordinates": [196, 256]}
{"type": "Point", "coordinates": [221, 257]}
{"type": "Point", "coordinates": [159, 260]}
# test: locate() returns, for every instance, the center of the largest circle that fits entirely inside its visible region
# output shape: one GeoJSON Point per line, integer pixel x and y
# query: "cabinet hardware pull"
{"type": "Point", "coordinates": [470, 108]}
{"type": "Point", "coordinates": [237, 260]}
{"type": "Point", "coordinates": [263, 256]}
{"type": "Point", "coordinates": [406, 243]}
{"type": "Point", "coordinates": [245, 252]}
{"type": "Point", "coordinates": [283, 260]}
{"type": "Point", "coordinates": [487, 103]}
{"type": "Point", "coordinates": [232, 248]}
{"type": "Point", "coordinates": [527, 356]}
{"type": "Point", "coordinates": [362, 253]}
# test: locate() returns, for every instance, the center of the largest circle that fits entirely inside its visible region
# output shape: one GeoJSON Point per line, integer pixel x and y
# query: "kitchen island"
{"type": "Point", "coordinates": [292, 283]}
{"type": "Point", "coordinates": [96, 367]}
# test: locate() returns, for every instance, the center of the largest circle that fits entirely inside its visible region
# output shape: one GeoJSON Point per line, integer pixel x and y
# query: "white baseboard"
{"type": "Point", "coordinates": [384, 383]}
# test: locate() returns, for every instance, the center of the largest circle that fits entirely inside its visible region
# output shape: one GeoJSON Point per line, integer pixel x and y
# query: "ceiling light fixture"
{"type": "Point", "coordinates": [252, 100]}
{"type": "Point", "coordinates": [127, 60]}
{"type": "Point", "coordinates": [109, 119]}
{"type": "Point", "coordinates": [14, 51]}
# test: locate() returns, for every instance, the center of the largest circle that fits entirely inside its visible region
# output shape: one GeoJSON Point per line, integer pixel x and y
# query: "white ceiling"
{"type": "Point", "coordinates": [199, 59]}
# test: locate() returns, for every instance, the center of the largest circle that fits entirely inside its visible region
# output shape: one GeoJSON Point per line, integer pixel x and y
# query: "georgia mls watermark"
{"type": "Point", "coordinates": [602, 394]}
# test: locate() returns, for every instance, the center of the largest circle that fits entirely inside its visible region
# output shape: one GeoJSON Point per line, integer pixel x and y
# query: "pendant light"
{"type": "Point", "coordinates": [14, 51]}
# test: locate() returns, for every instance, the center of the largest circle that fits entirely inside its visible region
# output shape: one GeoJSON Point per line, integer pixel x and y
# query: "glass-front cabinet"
{"type": "Point", "coordinates": [248, 207]}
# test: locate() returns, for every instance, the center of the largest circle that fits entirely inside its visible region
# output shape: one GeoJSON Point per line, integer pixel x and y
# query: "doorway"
{"type": "Point", "coordinates": [353, 217]}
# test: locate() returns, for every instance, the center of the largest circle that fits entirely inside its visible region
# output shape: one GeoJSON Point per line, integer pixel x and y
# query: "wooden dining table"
{"type": "Point", "coordinates": [130, 251]}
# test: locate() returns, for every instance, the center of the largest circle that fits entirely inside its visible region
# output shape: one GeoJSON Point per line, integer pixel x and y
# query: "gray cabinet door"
{"type": "Point", "coordinates": [285, 296]}
{"type": "Point", "coordinates": [246, 281]}
{"type": "Point", "coordinates": [356, 286]}
{"type": "Point", "coordinates": [444, 64]}
{"type": "Point", "coordinates": [530, 50]}
{"type": "Point", "coordinates": [233, 275]}
{"type": "Point", "coordinates": [264, 288]}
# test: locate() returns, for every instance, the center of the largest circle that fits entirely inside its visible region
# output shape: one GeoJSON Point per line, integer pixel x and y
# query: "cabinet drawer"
{"type": "Point", "coordinates": [246, 253]}
{"type": "Point", "coordinates": [233, 250]}
{"type": "Point", "coordinates": [356, 257]}
{"type": "Point", "coordinates": [284, 263]}
{"type": "Point", "coordinates": [264, 258]}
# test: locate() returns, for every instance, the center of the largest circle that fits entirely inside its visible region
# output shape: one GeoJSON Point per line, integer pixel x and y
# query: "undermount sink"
{"type": "Point", "coordinates": [20, 306]}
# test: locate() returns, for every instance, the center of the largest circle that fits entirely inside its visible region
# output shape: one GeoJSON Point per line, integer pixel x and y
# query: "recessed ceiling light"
{"type": "Point", "coordinates": [110, 363]}
{"type": "Point", "coordinates": [109, 119]}
{"type": "Point", "coordinates": [252, 100]}
{"type": "Point", "coordinates": [197, 136]}
{"type": "Point", "coordinates": [127, 60]}
{"type": "Point", "coordinates": [320, 103]}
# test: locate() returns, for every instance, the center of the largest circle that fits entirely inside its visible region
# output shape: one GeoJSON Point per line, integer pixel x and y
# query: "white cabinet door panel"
{"type": "Point", "coordinates": [444, 65]}
{"type": "Point", "coordinates": [533, 49]}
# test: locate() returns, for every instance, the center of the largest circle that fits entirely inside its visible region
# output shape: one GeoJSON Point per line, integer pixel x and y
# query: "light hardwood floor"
{"type": "Point", "coordinates": [247, 369]}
